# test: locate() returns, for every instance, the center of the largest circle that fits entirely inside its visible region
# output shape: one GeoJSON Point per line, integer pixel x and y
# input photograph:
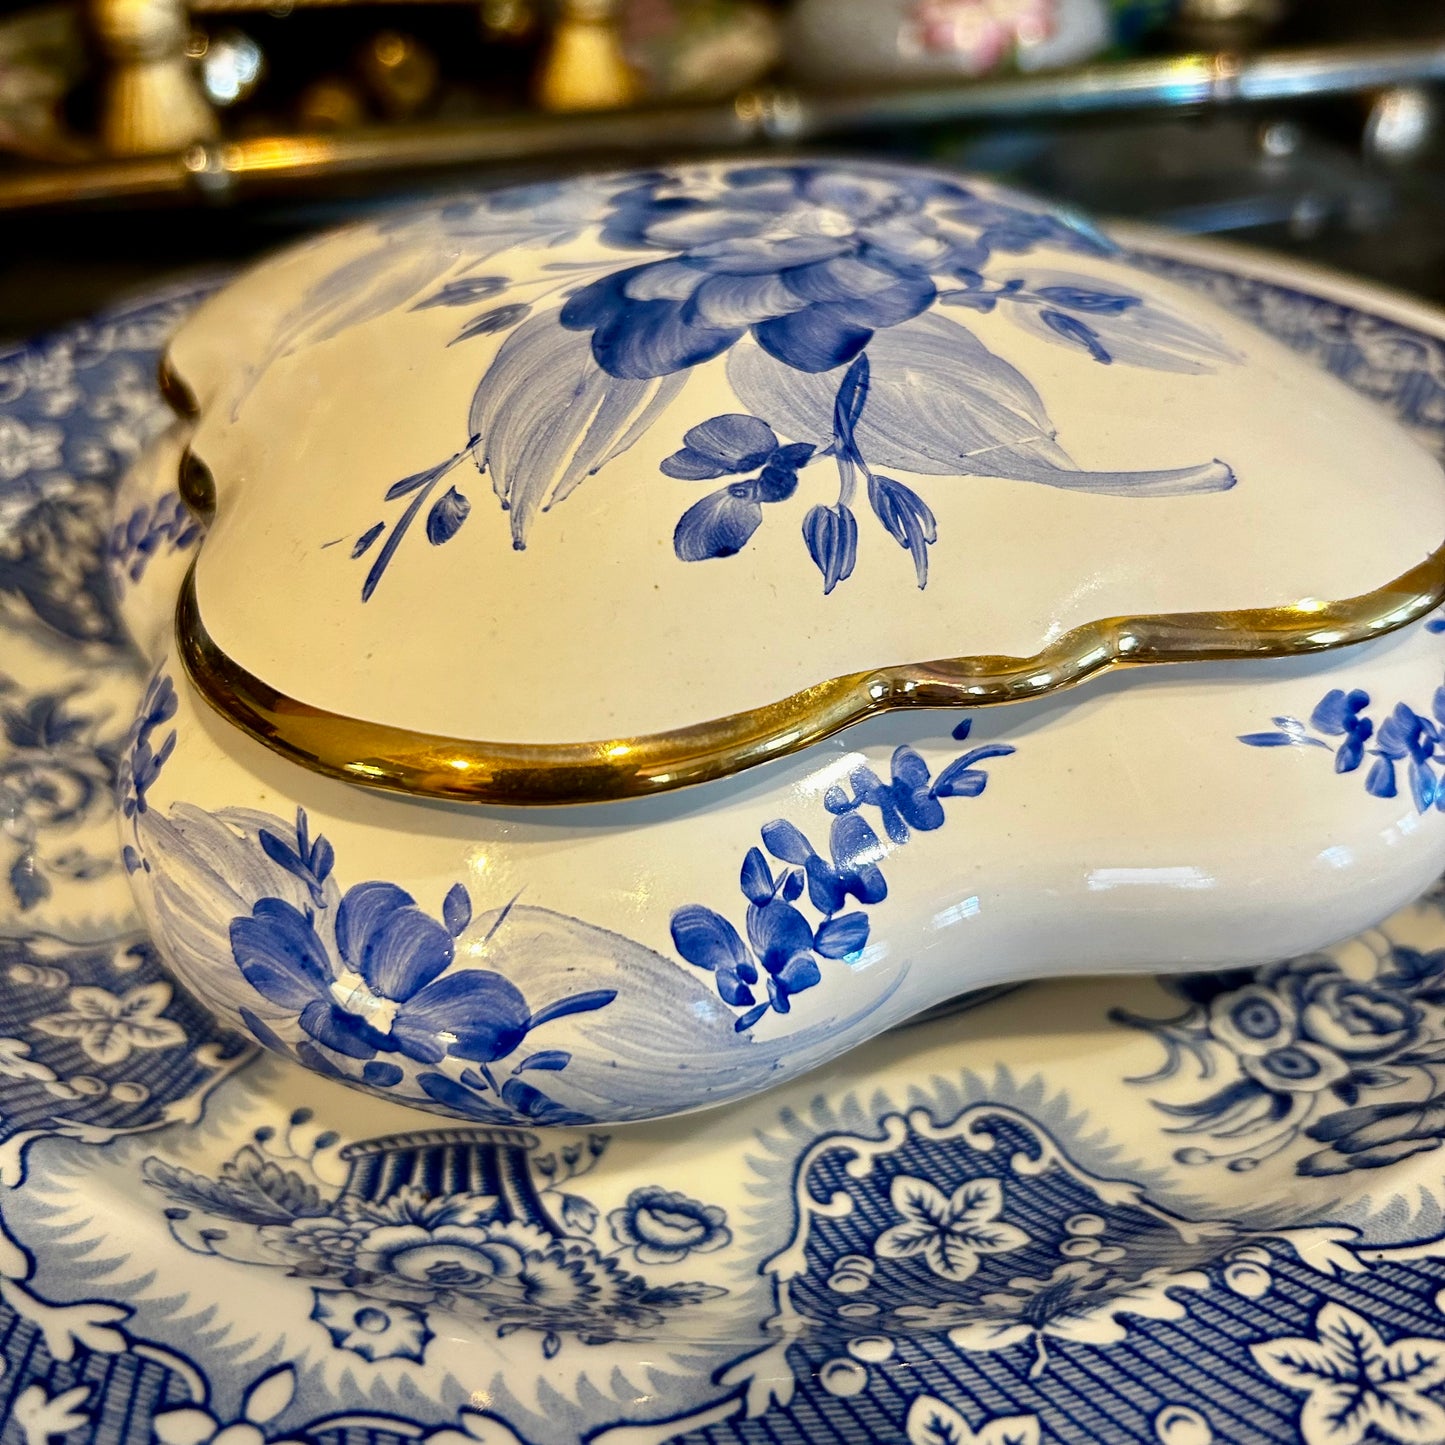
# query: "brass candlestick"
{"type": "Point", "coordinates": [153, 100]}
{"type": "Point", "coordinates": [585, 68]}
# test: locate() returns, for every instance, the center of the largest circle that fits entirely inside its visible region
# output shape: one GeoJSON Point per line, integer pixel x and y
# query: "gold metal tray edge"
{"type": "Point", "coordinates": [523, 774]}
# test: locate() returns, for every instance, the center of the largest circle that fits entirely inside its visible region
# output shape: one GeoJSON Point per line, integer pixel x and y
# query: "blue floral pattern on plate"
{"type": "Point", "coordinates": [200, 1246]}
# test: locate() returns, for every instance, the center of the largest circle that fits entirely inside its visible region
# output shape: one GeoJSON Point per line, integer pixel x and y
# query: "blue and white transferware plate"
{"type": "Point", "coordinates": [1203, 1210]}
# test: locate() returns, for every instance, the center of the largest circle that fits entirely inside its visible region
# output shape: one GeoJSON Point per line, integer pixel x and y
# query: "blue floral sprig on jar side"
{"type": "Point", "coordinates": [1404, 738]}
{"type": "Point", "coordinates": [733, 445]}
{"type": "Point", "coordinates": [142, 760]}
{"type": "Point", "coordinates": [781, 955]}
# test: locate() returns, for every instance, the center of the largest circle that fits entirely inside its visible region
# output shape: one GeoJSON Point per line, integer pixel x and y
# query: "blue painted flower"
{"type": "Point", "coordinates": [662, 1226]}
{"type": "Point", "coordinates": [1297, 1068]}
{"type": "Point", "coordinates": [390, 990]}
{"type": "Point", "coordinates": [375, 1330]}
{"type": "Point", "coordinates": [1406, 737]}
{"type": "Point", "coordinates": [1251, 1021]}
{"type": "Point", "coordinates": [731, 446]}
{"type": "Point", "coordinates": [1357, 1020]}
{"type": "Point", "coordinates": [811, 260]}
{"type": "Point", "coordinates": [1340, 714]}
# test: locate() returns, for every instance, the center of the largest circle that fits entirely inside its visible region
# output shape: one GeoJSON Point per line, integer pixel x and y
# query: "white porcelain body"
{"type": "Point", "coordinates": [639, 959]}
{"type": "Point", "coordinates": [1130, 830]}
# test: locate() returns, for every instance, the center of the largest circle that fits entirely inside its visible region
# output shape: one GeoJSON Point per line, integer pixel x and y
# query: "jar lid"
{"type": "Point", "coordinates": [597, 488]}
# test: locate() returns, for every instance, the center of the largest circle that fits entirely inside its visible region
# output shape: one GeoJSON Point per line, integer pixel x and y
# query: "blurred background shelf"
{"type": "Point", "coordinates": [1312, 127]}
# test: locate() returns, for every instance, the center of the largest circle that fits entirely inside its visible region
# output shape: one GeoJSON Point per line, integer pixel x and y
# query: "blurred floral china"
{"type": "Point", "coordinates": [898, 40]}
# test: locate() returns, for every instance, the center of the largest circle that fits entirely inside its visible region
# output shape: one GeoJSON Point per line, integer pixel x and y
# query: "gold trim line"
{"type": "Point", "coordinates": [431, 766]}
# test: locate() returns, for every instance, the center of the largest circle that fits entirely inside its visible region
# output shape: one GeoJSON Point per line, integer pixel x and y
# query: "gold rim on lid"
{"type": "Point", "coordinates": [469, 770]}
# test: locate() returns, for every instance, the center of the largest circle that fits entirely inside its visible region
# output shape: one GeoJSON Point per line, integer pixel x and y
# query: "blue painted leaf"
{"type": "Point", "coordinates": [579, 1003]}
{"type": "Point", "coordinates": [381, 1075]}
{"type": "Point", "coordinates": [464, 291]}
{"type": "Point", "coordinates": [1422, 785]}
{"type": "Point", "coordinates": [784, 840]}
{"type": "Point", "coordinates": [547, 1059]}
{"type": "Point", "coordinates": [1334, 711]}
{"type": "Point", "coordinates": [962, 730]}
{"type": "Point", "coordinates": [366, 540]}
{"type": "Point", "coordinates": [1125, 330]}
{"type": "Point", "coordinates": [842, 935]}
{"type": "Point", "coordinates": [1351, 752]}
{"type": "Point", "coordinates": [417, 480]}
{"type": "Point", "coordinates": [857, 851]}
{"type": "Point", "coordinates": [961, 778]}
{"type": "Point", "coordinates": [1079, 298]}
{"type": "Point", "coordinates": [720, 525]}
{"type": "Point", "coordinates": [549, 417]}
{"type": "Point", "coordinates": [279, 852]}
{"type": "Point", "coordinates": [757, 877]}
{"type": "Point", "coordinates": [832, 537]}
{"type": "Point", "coordinates": [971, 297]}
{"type": "Point", "coordinates": [799, 973]}
{"type": "Point", "coordinates": [1412, 966]}
{"type": "Point", "coordinates": [792, 888]}
{"type": "Point", "coordinates": [448, 513]}
{"type": "Point", "coordinates": [457, 909]}
{"type": "Point", "coordinates": [500, 318]}
{"type": "Point", "coordinates": [323, 858]}
{"type": "Point", "coordinates": [941, 404]}
{"type": "Point", "coordinates": [709, 941]}
{"type": "Point", "coordinates": [747, 1020]}
{"type": "Point", "coordinates": [578, 1214]}
{"type": "Point", "coordinates": [372, 284]}
{"type": "Point", "coordinates": [29, 885]}
{"type": "Point", "coordinates": [1078, 332]}
{"type": "Point", "coordinates": [907, 518]}
{"type": "Point", "coordinates": [1380, 781]}
{"type": "Point", "coordinates": [1271, 740]}
{"type": "Point", "coordinates": [725, 446]}
{"type": "Point", "coordinates": [1218, 1103]}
